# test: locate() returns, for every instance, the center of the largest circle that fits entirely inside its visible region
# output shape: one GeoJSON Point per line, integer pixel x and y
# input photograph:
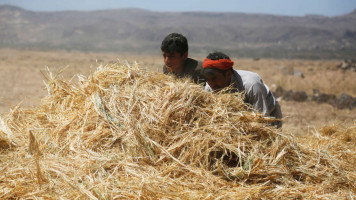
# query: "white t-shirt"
{"type": "Point", "coordinates": [257, 93]}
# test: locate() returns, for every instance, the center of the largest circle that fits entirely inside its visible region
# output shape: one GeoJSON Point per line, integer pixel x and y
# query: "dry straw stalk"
{"type": "Point", "coordinates": [125, 133]}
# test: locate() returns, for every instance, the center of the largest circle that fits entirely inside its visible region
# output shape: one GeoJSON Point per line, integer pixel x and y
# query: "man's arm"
{"type": "Point", "coordinates": [259, 98]}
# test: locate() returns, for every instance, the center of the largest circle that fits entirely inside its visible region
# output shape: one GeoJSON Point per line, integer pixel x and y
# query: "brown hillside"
{"type": "Point", "coordinates": [142, 31]}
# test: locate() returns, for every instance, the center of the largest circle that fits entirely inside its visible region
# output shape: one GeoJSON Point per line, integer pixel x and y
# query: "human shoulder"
{"type": "Point", "coordinates": [251, 82]}
{"type": "Point", "coordinates": [194, 68]}
{"type": "Point", "coordinates": [193, 64]}
{"type": "Point", "coordinates": [249, 78]}
{"type": "Point", "coordinates": [248, 74]}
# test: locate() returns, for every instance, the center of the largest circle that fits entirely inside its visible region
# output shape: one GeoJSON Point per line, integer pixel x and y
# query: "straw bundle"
{"type": "Point", "coordinates": [125, 133]}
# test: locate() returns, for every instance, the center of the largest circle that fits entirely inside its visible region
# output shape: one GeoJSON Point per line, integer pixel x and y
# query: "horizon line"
{"type": "Point", "coordinates": [188, 11]}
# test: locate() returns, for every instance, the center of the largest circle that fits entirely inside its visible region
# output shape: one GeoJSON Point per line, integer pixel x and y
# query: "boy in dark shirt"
{"type": "Point", "coordinates": [174, 49]}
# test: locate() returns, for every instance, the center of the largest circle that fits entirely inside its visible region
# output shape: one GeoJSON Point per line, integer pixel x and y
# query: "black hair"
{"type": "Point", "coordinates": [175, 42]}
{"type": "Point", "coordinates": [215, 56]}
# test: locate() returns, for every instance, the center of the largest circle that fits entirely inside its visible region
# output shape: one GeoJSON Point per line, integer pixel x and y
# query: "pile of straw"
{"type": "Point", "coordinates": [125, 133]}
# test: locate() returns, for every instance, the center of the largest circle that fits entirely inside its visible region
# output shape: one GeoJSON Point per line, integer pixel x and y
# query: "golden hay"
{"type": "Point", "coordinates": [126, 133]}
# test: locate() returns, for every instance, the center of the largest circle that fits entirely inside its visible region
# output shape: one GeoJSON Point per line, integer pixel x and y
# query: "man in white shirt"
{"type": "Point", "coordinates": [218, 71]}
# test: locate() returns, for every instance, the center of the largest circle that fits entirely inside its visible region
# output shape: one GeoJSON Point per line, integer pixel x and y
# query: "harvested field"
{"type": "Point", "coordinates": [22, 81]}
{"type": "Point", "coordinates": [125, 132]}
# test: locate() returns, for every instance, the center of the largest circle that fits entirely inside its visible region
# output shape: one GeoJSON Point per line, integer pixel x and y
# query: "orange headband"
{"type": "Point", "coordinates": [222, 64]}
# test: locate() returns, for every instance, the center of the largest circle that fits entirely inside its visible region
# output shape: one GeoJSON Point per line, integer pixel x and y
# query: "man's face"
{"type": "Point", "coordinates": [217, 80]}
{"type": "Point", "coordinates": [174, 61]}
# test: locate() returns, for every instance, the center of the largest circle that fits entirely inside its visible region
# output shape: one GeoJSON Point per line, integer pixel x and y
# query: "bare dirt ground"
{"type": "Point", "coordinates": [22, 81]}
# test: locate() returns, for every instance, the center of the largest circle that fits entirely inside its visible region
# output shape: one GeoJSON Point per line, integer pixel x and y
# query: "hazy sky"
{"type": "Point", "coordinates": [278, 7]}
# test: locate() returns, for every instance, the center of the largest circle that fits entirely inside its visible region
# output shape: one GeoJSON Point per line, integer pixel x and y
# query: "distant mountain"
{"type": "Point", "coordinates": [137, 30]}
{"type": "Point", "coordinates": [352, 14]}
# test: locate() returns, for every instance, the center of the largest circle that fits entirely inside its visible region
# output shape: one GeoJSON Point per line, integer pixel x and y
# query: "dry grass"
{"type": "Point", "coordinates": [125, 133]}
{"type": "Point", "coordinates": [22, 81]}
